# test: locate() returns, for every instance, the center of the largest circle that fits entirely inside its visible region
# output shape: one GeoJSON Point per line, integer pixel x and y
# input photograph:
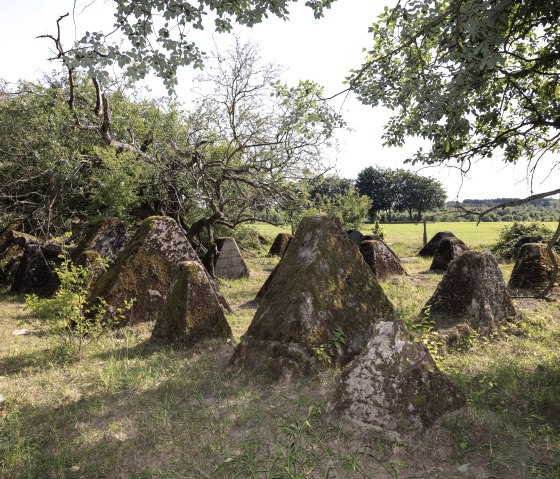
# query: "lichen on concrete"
{"type": "Point", "coordinates": [144, 269]}
{"type": "Point", "coordinates": [533, 267]}
{"type": "Point", "coordinates": [107, 237]}
{"type": "Point", "coordinates": [191, 312]}
{"type": "Point", "coordinates": [395, 387]}
{"type": "Point", "coordinates": [471, 297]}
{"type": "Point", "coordinates": [321, 285]}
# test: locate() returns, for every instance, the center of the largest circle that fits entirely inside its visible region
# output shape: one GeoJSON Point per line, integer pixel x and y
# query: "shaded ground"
{"type": "Point", "coordinates": [123, 408]}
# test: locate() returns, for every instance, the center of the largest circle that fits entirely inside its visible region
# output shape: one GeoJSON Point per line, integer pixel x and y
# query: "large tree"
{"type": "Point", "coordinates": [477, 78]}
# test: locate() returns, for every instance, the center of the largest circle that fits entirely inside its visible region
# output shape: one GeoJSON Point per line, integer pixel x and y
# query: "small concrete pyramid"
{"type": "Point", "coordinates": [447, 250]}
{"type": "Point", "coordinates": [191, 312]}
{"type": "Point", "coordinates": [533, 267]}
{"type": "Point", "coordinates": [322, 297]}
{"type": "Point", "coordinates": [144, 269]}
{"type": "Point", "coordinates": [395, 387]}
{"type": "Point", "coordinates": [471, 297]}
{"type": "Point", "coordinates": [355, 236]}
{"type": "Point", "coordinates": [228, 263]}
{"type": "Point", "coordinates": [34, 274]}
{"type": "Point", "coordinates": [280, 244]}
{"type": "Point", "coordinates": [431, 246]}
{"type": "Point", "coordinates": [381, 259]}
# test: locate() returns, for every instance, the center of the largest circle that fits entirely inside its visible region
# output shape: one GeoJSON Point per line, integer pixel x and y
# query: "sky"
{"type": "Point", "coordinates": [321, 50]}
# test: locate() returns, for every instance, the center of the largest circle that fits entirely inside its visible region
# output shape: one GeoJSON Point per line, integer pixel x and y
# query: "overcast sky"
{"type": "Point", "coordinates": [322, 50]}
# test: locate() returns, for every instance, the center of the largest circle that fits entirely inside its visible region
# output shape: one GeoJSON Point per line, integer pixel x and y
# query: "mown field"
{"type": "Point", "coordinates": [122, 407]}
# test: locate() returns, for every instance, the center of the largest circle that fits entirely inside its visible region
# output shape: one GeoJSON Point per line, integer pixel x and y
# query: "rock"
{"type": "Point", "coordinates": [472, 296]}
{"type": "Point", "coordinates": [447, 250]}
{"type": "Point", "coordinates": [372, 237]}
{"type": "Point", "coordinates": [395, 387]}
{"type": "Point", "coordinates": [34, 273]}
{"type": "Point", "coordinates": [533, 267]}
{"type": "Point", "coordinates": [191, 312]}
{"type": "Point", "coordinates": [107, 237]}
{"type": "Point", "coordinates": [20, 332]}
{"type": "Point", "coordinates": [431, 246]}
{"type": "Point", "coordinates": [266, 284]}
{"type": "Point", "coordinates": [280, 244]}
{"type": "Point", "coordinates": [382, 261]}
{"type": "Point", "coordinates": [143, 271]}
{"type": "Point", "coordinates": [355, 236]}
{"type": "Point", "coordinates": [321, 291]}
{"type": "Point", "coordinates": [12, 248]}
{"type": "Point", "coordinates": [228, 263]}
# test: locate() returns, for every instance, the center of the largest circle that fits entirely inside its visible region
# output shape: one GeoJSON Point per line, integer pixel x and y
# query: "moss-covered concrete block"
{"type": "Point", "coordinates": [322, 291]}
{"type": "Point", "coordinates": [381, 259]}
{"type": "Point", "coordinates": [447, 250]}
{"type": "Point", "coordinates": [431, 246]}
{"type": "Point", "coordinates": [144, 269]}
{"type": "Point", "coordinates": [191, 312]}
{"type": "Point", "coordinates": [471, 297]}
{"type": "Point", "coordinates": [107, 237]}
{"type": "Point", "coordinates": [395, 387]}
{"type": "Point", "coordinates": [280, 244]}
{"type": "Point", "coordinates": [533, 267]}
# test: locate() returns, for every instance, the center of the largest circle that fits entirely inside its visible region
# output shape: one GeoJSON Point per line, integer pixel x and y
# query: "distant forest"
{"type": "Point", "coordinates": [547, 209]}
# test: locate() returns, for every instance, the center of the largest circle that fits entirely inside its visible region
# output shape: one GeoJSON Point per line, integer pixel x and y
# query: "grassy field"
{"type": "Point", "coordinates": [122, 407]}
{"type": "Point", "coordinates": [409, 235]}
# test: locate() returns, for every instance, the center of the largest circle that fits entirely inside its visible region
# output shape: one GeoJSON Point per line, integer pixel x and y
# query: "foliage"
{"type": "Point", "coordinates": [115, 184]}
{"type": "Point", "coordinates": [350, 208]}
{"type": "Point", "coordinates": [66, 314]}
{"type": "Point", "coordinates": [156, 34]}
{"type": "Point", "coordinates": [325, 353]}
{"type": "Point", "coordinates": [505, 247]}
{"type": "Point", "coordinates": [329, 186]}
{"type": "Point", "coordinates": [475, 78]}
{"type": "Point", "coordinates": [400, 190]}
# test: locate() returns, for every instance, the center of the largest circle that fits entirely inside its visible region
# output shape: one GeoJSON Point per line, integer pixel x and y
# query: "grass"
{"type": "Point", "coordinates": [126, 408]}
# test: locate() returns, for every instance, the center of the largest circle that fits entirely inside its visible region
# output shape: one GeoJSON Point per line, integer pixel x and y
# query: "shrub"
{"type": "Point", "coordinates": [510, 235]}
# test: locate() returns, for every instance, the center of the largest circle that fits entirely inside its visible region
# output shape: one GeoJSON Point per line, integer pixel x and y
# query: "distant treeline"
{"type": "Point", "coordinates": [546, 209]}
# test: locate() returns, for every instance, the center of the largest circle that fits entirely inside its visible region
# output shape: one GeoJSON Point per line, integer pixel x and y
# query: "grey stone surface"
{"type": "Point", "coordinates": [144, 269]}
{"type": "Point", "coordinates": [191, 312]}
{"type": "Point", "coordinates": [321, 286]}
{"type": "Point", "coordinates": [533, 268]}
{"type": "Point", "coordinates": [447, 250]}
{"type": "Point", "coordinates": [471, 297]}
{"type": "Point", "coordinates": [34, 273]}
{"type": "Point", "coordinates": [107, 237]}
{"type": "Point", "coordinates": [395, 387]}
{"type": "Point", "coordinates": [381, 259]}
{"type": "Point", "coordinates": [228, 263]}
{"type": "Point", "coordinates": [431, 246]}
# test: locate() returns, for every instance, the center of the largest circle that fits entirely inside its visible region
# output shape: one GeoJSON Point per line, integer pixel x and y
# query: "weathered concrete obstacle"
{"type": "Point", "coordinates": [228, 262]}
{"type": "Point", "coordinates": [355, 236]}
{"type": "Point", "coordinates": [321, 303]}
{"type": "Point", "coordinates": [471, 297]}
{"type": "Point", "coordinates": [191, 311]}
{"type": "Point", "coordinates": [447, 250]}
{"type": "Point", "coordinates": [431, 246]}
{"type": "Point", "coordinates": [144, 269]}
{"type": "Point", "coordinates": [107, 237]}
{"type": "Point", "coordinates": [34, 274]}
{"type": "Point", "coordinates": [395, 387]}
{"type": "Point", "coordinates": [381, 259]}
{"type": "Point", "coordinates": [533, 268]}
{"type": "Point", "coordinates": [280, 244]}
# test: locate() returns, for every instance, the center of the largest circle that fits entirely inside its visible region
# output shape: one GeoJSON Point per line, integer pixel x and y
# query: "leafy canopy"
{"type": "Point", "coordinates": [158, 34]}
{"type": "Point", "coordinates": [477, 78]}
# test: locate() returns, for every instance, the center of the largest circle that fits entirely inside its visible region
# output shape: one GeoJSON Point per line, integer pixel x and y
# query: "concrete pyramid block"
{"type": "Point", "coordinates": [191, 312]}
{"type": "Point", "coordinates": [431, 246]}
{"type": "Point", "coordinates": [144, 269]}
{"type": "Point", "coordinates": [381, 259]}
{"type": "Point", "coordinates": [395, 387]}
{"type": "Point", "coordinates": [322, 297]}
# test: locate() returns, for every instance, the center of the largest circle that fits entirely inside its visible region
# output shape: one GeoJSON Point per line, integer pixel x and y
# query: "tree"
{"type": "Point", "coordinates": [417, 194]}
{"type": "Point", "coordinates": [378, 184]}
{"type": "Point", "coordinates": [476, 78]}
{"type": "Point", "coordinates": [157, 37]}
{"type": "Point", "coordinates": [329, 186]}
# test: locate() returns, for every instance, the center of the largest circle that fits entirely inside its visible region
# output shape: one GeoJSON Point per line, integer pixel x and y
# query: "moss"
{"type": "Point", "coordinates": [322, 284]}
{"type": "Point", "coordinates": [144, 269]}
{"type": "Point", "coordinates": [533, 267]}
{"type": "Point", "coordinates": [191, 311]}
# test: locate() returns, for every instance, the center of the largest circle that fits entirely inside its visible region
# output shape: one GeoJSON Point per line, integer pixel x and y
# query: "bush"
{"type": "Point", "coordinates": [510, 235]}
